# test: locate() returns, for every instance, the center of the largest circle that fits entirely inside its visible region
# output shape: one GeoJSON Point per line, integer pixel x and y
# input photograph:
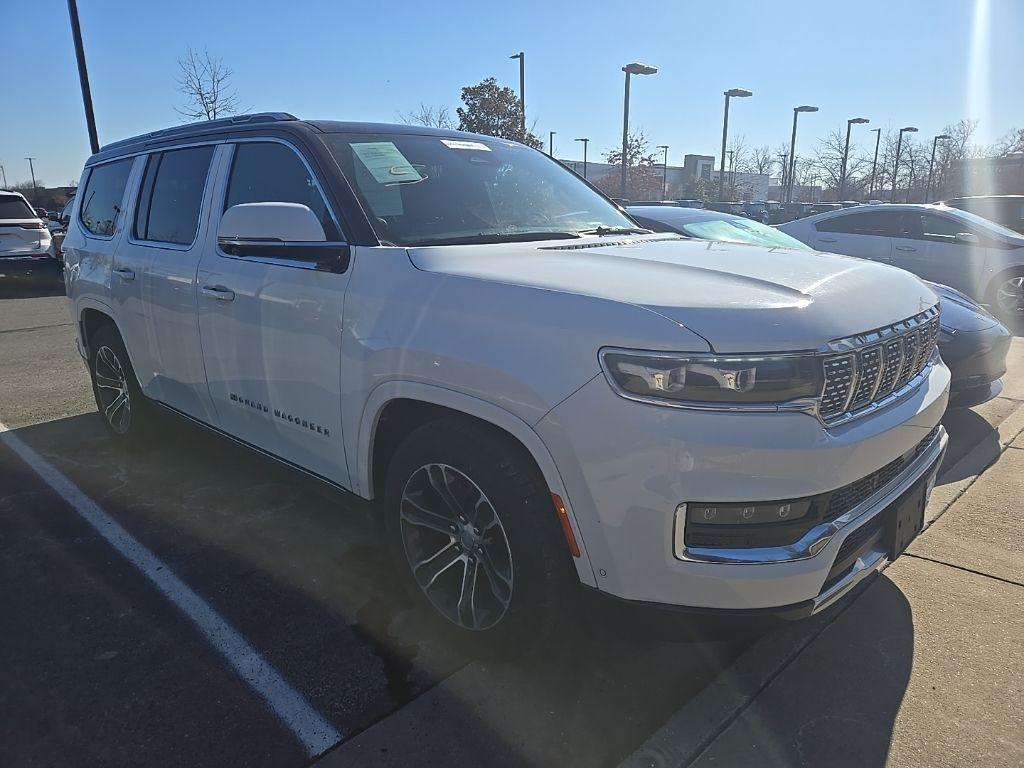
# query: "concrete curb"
{"type": "Point", "coordinates": [689, 731]}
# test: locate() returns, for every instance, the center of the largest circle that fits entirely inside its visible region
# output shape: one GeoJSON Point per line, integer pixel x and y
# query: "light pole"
{"type": "Point", "coordinates": [32, 170]}
{"type": "Point", "coordinates": [4, 174]}
{"type": "Point", "coordinates": [784, 162]}
{"type": "Point", "coordinates": [931, 165]}
{"type": "Point", "coordinates": [874, 163]}
{"type": "Point", "coordinates": [522, 91]}
{"type": "Point", "coordinates": [551, 143]}
{"type": "Point", "coordinates": [896, 165]}
{"type": "Point", "coordinates": [83, 76]}
{"type": "Point", "coordinates": [739, 93]}
{"type": "Point", "coordinates": [635, 68]}
{"type": "Point", "coordinates": [846, 153]}
{"type": "Point", "coordinates": [585, 142]}
{"type": "Point", "coordinates": [792, 147]}
{"type": "Point", "coordinates": [664, 172]}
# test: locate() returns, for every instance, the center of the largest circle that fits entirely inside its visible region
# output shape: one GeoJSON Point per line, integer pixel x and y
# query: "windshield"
{"type": "Point", "coordinates": [988, 224]}
{"type": "Point", "coordinates": [435, 190]}
{"type": "Point", "coordinates": [741, 231]}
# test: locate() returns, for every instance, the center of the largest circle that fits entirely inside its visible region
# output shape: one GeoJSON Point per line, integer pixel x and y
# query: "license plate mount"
{"type": "Point", "coordinates": [905, 518]}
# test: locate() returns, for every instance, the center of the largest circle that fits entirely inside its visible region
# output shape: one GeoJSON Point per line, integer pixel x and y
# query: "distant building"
{"type": "Point", "coordinates": [989, 175]}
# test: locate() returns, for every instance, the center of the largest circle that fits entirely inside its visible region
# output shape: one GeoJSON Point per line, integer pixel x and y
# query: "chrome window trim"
{"type": "Point", "coordinates": [818, 538]}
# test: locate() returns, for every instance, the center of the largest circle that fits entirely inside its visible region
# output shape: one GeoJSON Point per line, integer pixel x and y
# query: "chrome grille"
{"type": "Point", "coordinates": [868, 368]}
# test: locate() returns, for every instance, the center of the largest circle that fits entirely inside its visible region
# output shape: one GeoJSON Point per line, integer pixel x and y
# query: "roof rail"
{"type": "Point", "coordinates": [202, 127]}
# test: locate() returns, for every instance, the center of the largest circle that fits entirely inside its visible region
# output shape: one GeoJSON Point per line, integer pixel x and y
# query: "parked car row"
{"type": "Point", "coordinates": [540, 398]}
{"type": "Point", "coordinates": [972, 342]}
{"type": "Point", "coordinates": [767, 212]}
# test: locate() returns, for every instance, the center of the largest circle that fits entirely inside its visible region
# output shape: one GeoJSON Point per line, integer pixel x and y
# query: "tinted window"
{"type": "Point", "coordinates": [172, 195]}
{"type": "Point", "coordinates": [266, 172]}
{"type": "Point", "coordinates": [101, 200]}
{"type": "Point", "coordinates": [14, 207]}
{"type": "Point", "coordinates": [866, 223]}
{"type": "Point", "coordinates": [940, 226]}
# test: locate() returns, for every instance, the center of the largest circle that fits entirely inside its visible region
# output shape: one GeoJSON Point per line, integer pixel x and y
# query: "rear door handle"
{"type": "Point", "coordinates": [828, 239]}
{"type": "Point", "coordinates": [125, 274]}
{"type": "Point", "coordinates": [905, 248]}
{"type": "Point", "coordinates": [218, 292]}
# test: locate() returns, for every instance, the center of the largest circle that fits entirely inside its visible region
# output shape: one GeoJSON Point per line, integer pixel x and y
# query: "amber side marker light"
{"type": "Point", "coordinates": [563, 518]}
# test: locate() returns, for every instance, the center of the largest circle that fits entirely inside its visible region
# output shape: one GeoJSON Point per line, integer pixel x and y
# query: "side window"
{"type": "Point", "coordinates": [102, 196]}
{"type": "Point", "coordinates": [941, 228]}
{"type": "Point", "coordinates": [910, 226]}
{"type": "Point", "coordinates": [864, 223]}
{"type": "Point", "coordinates": [268, 172]}
{"type": "Point", "coordinates": [171, 196]}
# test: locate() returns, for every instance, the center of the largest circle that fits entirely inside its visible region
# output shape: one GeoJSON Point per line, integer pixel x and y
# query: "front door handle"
{"type": "Point", "coordinates": [218, 292]}
{"type": "Point", "coordinates": [125, 274]}
{"type": "Point", "coordinates": [829, 239]}
{"type": "Point", "coordinates": [905, 248]}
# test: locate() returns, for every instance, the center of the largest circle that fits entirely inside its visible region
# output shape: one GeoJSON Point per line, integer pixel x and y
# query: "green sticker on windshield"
{"type": "Point", "coordinates": [385, 163]}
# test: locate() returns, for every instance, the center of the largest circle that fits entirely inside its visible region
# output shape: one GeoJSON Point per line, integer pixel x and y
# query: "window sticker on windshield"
{"type": "Point", "coordinates": [385, 163]}
{"type": "Point", "coordinates": [460, 144]}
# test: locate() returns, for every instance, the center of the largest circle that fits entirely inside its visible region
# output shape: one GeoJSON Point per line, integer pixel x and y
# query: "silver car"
{"type": "Point", "coordinates": [945, 245]}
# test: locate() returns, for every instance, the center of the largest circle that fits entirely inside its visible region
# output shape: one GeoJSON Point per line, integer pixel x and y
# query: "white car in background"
{"type": "Point", "coordinates": [24, 238]}
{"type": "Point", "coordinates": [945, 245]}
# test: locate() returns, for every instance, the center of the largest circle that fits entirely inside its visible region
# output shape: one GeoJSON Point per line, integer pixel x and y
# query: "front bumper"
{"type": "Point", "coordinates": [975, 359]}
{"type": "Point", "coordinates": [628, 468]}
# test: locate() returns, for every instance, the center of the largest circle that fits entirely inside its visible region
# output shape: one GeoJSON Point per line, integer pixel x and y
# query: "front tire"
{"type": "Point", "coordinates": [472, 530]}
{"type": "Point", "coordinates": [122, 406]}
{"type": "Point", "coordinates": [1006, 296]}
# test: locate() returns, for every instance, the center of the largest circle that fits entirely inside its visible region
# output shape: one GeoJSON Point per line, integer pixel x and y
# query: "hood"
{"type": "Point", "coordinates": [959, 312]}
{"type": "Point", "coordinates": [739, 297]}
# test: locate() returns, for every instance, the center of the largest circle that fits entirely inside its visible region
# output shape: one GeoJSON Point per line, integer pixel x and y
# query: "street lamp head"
{"type": "Point", "coordinates": [738, 93]}
{"type": "Point", "coordinates": [805, 108]}
{"type": "Point", "coordinates": [662, 146]}
{"type": "Point", "coordinates": [859, 121]}
{"type": "Point", "coordinates": [584, 139]}
{"type": "Point", "coordinates": [636, 68]}
{"type": "Point", "coordinates": [908, 129]}
{"type": "Point", "coordinates": [516, 55]}
{"type": "Point", "coordinates": [943, 136]}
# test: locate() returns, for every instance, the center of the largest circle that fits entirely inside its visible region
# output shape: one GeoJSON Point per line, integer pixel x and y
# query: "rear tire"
{"type": "Point", "coordinates": [472, 530]}
{"type": "Point", "coordinates": [125, 412]}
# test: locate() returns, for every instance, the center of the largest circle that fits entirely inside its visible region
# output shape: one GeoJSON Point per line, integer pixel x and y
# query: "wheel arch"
{"type": "Point", "coordinates": [411, 404]}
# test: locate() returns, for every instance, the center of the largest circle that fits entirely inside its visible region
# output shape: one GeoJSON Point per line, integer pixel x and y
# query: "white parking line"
{"type": "Point", "coordinates": [310, 728]}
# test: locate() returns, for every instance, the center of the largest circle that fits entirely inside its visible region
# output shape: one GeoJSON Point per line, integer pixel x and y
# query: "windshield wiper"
{"type": "Point", "coordinates": [602, 231]}
{"type": "Point", "coordinates": [494, 237]}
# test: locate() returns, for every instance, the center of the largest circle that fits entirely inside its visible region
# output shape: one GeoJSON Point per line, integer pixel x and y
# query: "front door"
{"type": "Point", "coordinates": [928, 247]}
{"type": "Point", "coordinates": [865, 234]}
{"type": "Point", "coordinates": [271, 324]}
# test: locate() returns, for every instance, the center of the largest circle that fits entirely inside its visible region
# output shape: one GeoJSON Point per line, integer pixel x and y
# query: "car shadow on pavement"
{"type": "Point", "coordinates": [45, 281]}
{"type": "Point", "coordinates": [304, 579]}
{"type": "Point", "coordinates": [968, 432]}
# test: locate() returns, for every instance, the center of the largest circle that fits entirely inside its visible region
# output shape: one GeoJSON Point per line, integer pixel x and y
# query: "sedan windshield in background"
{"type": "Point", "coordinates": [436, 190]}
{"type": "Point", "coordinates": [741, 231]}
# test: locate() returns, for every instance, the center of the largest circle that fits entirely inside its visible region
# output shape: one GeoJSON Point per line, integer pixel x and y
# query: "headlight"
{"type": "Point", "coordinates": [713, 379]}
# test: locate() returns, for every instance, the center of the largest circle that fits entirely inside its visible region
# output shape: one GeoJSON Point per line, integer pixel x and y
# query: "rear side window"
{"type": "Point", "coordinates": [101, 200]}
{"type": "Point", "coordinates": [15, 207]}
{"type": "Point", "coordinates": [865, 223]}
{"type": "Point", "coordinates": [268, 172]}
{"type": "Point", "coordinates": [171, 196]}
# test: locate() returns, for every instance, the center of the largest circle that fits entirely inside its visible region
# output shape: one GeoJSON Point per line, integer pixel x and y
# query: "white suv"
{"type": "Point", "coordinates": [24, 237]}
{"type": "Point", "coordinates": [536, 393]}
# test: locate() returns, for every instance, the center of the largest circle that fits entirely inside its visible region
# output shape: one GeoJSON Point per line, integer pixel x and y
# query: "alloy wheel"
{"type": "Point", "coordinates": [456, 546]}
{"type": "Point", "coordinates": [1010, 295]}
{"type": "Point", "coordinates": [112, 390]}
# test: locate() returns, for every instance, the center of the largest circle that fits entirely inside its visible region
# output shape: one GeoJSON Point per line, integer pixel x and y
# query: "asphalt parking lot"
{"type": "Point", "coordinates": [102, 668]}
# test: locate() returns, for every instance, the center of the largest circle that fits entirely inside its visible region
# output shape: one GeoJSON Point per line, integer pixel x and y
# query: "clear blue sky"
{"type": "Point", "coordinates": [897, 62]}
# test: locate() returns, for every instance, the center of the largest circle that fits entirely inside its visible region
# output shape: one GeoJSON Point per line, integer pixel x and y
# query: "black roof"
{"type": "Point", "coordinates": [284, 120]}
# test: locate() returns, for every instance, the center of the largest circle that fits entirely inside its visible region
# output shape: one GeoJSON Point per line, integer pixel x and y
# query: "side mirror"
{"type": "Point", "coordinates": [279, 231]}
{"type": "Point", "coordinates": [270, 222]}
{"type": "Point", "coordinates": [967, 238]}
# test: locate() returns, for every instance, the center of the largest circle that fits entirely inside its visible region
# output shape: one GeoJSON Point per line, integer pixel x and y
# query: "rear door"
{"type": "Point", "coordinates": [165, 242]}
{"type": "Point", "coordinates": [865, 234]}
{"type": "Point", "coordinates": [270, 321]}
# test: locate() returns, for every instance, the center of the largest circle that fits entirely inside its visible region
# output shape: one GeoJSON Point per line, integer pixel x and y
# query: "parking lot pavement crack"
{"type": "Point", "coordinates": [964, 569]}
{"type": "Point", "coordinates": [36, 328]}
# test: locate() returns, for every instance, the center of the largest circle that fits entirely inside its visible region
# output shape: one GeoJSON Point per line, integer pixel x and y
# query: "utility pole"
{"type": "Point", "coordinates": [664, 172]}
{"type": "Point", "coordinates": [4, 174]}
{"type": "Point", "coordinates": [551, 143]}
{"type": "Point", "coordinates": [585, 142]}
{"type": "Point", "coordinates": [522, 90]}
{"type": "Point", "coordinates": [32, 170]}
{"type": "Point", "coordinates": [83, 76]}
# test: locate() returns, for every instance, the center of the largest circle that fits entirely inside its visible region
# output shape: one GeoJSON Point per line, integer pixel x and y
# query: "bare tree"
{"type": "Point", "coordinates": [430, 116]}
{"type": "Point", "coordinates": [761, 160]}
{"type": "Point", "coordinates": [206, 84]}
{"type": "Point", "coordinates": [737, 161]}
{"type": "Point", "coordinates": [828, 161]}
